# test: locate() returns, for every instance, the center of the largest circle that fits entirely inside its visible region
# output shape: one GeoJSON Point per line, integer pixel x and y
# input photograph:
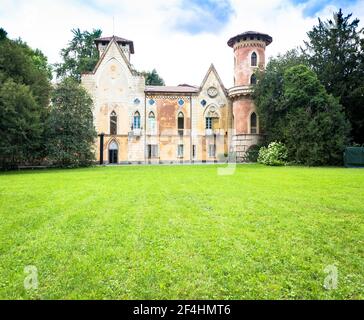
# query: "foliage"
{"type": "Point", "coordinates": [38, 58]}
{"type": "Point", "coordinates": [182, 232]}
{"type": "Point", "coordinates": [273, 155]}
{"type": "Point", "coordinates": [25, 90]}
{"type": "Point", "coordinates": [3, 34]}
{"type": "Point", "coordinates": [296, 109]}
{"type": "Point", "coordinates": [81, 55]}
{"type": "Point", "coordinates": [20, 125]}
{"type": "Point", "coordinates": [152, 78]}
{"type": "Point", "coordinates": [335, 51]}
{"type": "Point", "coordinates": [70, 129]}
{"type": "Point", "coordinates": [252, 154]}
{"type": "Point", "coordinates": [268, 93]}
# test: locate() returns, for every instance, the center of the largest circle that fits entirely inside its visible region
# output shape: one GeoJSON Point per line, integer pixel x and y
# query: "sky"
{"type": "Point", "coordinates": [179, 38]}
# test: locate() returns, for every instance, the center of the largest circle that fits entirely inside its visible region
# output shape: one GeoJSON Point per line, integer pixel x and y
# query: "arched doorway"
{"type": "Point", "coordinates": [113, 152]}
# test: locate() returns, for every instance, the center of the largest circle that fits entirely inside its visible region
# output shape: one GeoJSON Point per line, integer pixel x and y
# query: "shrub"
{"type": "Point", "coordinates": [252, 154]}
{"type": "Point", "coordinates": [273, 155]}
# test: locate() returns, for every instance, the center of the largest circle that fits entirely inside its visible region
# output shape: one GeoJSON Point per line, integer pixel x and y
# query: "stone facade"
{"type": "Point", "coordinates": [162, 124]}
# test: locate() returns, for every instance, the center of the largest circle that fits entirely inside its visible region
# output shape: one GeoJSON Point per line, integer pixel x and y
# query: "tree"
{"type": "Point", "coordinates": [38, 58]}
{"type": "Point", "coordinates": [70, 130]}
{"type": "Point", "coordinates": [152, 78]}
{"type": "Point", "coordinates": [24, 103]}
{"type": "Point", "coordinates": [335, 51]}
{"type": "Point", "coordinates": [308, 120]}
{"type": "Point", "coordinates": [268, 93]}
{"type": "Point", "coordinates": [81, 55]}
{"type": "Point", "coordinates": [20, 124]}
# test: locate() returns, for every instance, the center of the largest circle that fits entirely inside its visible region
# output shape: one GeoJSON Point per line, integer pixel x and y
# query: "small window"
{"type": "Point", "coordinates": [180, 151]}
{"type": "Point", "coordinates": [203, 102]}
{"type": "Point", "coordinates": [254, 59]}
{"type": "Point", "coordinates": [212, 150]}
{"type": "Point", "coordinates": [181, 102]}
{"type": "Point", "coordinates": [194, 151]}
{"type": "Point", "coordinates": [181, 123]}
{"type": "Point", "coordinates": [136, 122]}
{"type": "Point", "coordinates": [151, 119]}
{"type": "Point", "coordinates": [253, 79]}
{"type": "Point", "coordinates": [253, 123]}
{"type": "Point", "coordinates": [208, 123]}
{"type": "Point", "coordinates": [113, 123]}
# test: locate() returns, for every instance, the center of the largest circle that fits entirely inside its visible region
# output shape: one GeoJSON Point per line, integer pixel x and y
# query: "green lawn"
{"type": "Point", "coordinates": [182, 232]}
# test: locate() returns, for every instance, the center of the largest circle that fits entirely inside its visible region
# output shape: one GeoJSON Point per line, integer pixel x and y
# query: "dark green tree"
{"type": "Point", "coordinates": [152, 78]}
{"type": "Point", "coordinates": [20, 124]}
{"type": "Point", "coordinates": [81, 55]}
{"type": "Point", "coordinates": [70, 130]}
{"type": "Point", "coordinates": [25, 90]}
{"type": "Point", "coordinates": [308, 120]}
{"type": "Point", "coordinates": [335, 51]}
{"type": "Point", "coordinates": [38, 58]}
{"type": "Point", "coordinates": [268, 93]}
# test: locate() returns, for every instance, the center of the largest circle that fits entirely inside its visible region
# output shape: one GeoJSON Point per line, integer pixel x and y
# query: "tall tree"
{"type": "Point", "coordinates": [80, 55]}
{"type": "Point", "coordinates": [24, 103]}
{"type": "Point", "coordinates": [335, 51]}
{"type": "Point", "coordinates": [70, 130]}
{"type": "Point", "coordinates": [268, 93]}
{"type": "Point", "coordinates": [152, 78]}
{"type": "Point", "coordinates": [38, 58]}
{"type": "Point", "coordinates": [307, 119]}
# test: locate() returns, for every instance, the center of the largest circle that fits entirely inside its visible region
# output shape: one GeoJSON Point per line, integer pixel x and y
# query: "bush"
{"type": "Point", "coordinates": [273, 155]}
{"type": "Point", "coordinates": [252, 154]}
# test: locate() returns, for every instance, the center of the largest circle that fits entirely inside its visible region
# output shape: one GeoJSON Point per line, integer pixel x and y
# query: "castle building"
{"type": "Point", "coordinates": [138, 123]}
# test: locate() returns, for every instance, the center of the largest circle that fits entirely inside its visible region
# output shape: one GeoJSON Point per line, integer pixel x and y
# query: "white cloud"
{"type": "Point", "coordinates": [179, 57]}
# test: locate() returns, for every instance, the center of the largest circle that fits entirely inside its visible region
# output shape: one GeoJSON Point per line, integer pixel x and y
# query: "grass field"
{"type": "Point", "coordinates": [182, 232]}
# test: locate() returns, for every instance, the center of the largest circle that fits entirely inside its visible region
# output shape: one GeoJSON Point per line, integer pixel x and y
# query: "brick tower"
{"type": "Point", "coordinates": [249, 56]}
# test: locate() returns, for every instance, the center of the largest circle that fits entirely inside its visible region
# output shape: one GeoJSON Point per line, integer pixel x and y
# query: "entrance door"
{"type": "Point", "coordinates": [113, 152]}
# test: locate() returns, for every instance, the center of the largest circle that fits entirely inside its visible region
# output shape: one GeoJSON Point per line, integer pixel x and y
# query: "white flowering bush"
{"type": "Point", "coordinates": [273, 155]}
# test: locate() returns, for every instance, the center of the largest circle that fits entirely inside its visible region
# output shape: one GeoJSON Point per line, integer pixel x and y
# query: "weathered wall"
{"type": "Point", "coordinates": [242, 63]}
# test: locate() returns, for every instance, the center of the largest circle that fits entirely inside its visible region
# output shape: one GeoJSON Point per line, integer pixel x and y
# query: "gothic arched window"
{"type": "Point", "coordinates": [253, 79]}
{"type": "Point", "coordinates": [151, 119]}
{"type": "Point", "coordinates": [136, 120]}
{"type": "Point", "coordinates": [254, 59]}
{"type": "Point", "coordinates": [253, 123]}
{"type": "Point", "coordinates": [181, 123]}
{"type": "Point", "coordinates": [113, 123]}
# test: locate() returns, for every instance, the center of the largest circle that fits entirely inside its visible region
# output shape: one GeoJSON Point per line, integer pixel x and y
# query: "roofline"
{"type": "Point", "coordinates": [125, 41]}
{"type": "Point", "coordinates": [245, 36]}
{"type": "Point", "coordinates": [213, 69]}
{"type": "Point", "coordinates": [104, 54]}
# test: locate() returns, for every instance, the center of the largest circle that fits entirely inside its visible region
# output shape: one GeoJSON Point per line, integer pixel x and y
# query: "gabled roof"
{"type": "Point", "coordinates": [104, 54]}
{"type": "Point", "coordinates": [118, 40]}
{"type": "Point", "coordinates": [212, 69]}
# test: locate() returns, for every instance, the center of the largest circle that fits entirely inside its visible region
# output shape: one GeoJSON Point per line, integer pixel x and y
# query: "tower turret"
{"type": "Point", "coordinates": [249, 56]}
{"type": "Point", "coordinates": [127, 46]}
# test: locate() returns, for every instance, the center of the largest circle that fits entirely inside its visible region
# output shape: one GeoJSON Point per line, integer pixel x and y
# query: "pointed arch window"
{"type": "Point", "coordinates": [253, 123]}
{"type": "Point", "coordinates": [113, 123]}
{"type": "Point", "coordinates": [253, 79]}
{"type": "Point", "coordinates": [151, 119]}
{"type": "Point", "coordinates": [136, 120]}
{"type": "Point", "coordinates": [181, 123]}
{"type": "Point", "coordinates": [254, 59]}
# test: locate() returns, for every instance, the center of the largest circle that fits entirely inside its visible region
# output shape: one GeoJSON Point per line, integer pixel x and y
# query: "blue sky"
{"type": "Point", "coordinates": [312, 7]}
{"type": "Point", "coordinates": [204, 15]}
